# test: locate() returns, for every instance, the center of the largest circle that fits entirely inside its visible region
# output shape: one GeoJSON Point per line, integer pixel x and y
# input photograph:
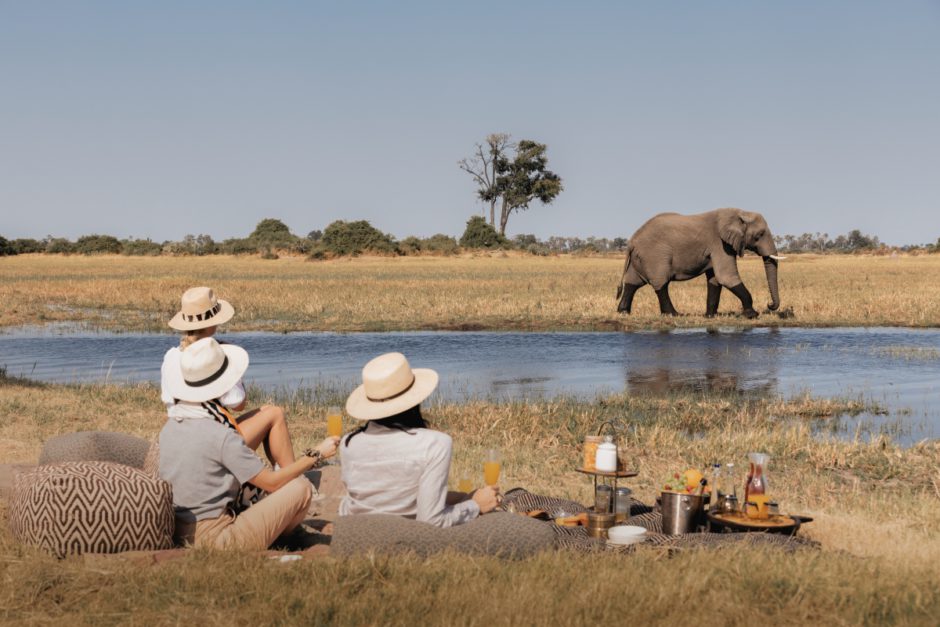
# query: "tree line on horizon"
{"type": "Point", "coordinates": [509, 176]}
{"type": "Point", "coordinates": [271, 238]}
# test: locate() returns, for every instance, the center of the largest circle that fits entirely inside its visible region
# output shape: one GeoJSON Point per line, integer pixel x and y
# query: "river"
{"type": "Point", "coordinates": [897, 368]}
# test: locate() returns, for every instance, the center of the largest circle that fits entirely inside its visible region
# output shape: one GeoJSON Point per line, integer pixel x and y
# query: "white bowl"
{"type": "Point", "coordinates": [626, 534]}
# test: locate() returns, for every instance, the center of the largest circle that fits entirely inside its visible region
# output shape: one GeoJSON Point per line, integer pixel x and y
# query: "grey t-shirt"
{"type": "Point", "coordinates": [206, 463]}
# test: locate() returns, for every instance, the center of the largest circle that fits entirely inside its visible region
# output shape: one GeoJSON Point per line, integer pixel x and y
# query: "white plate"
{"type": "Point", "coordinates": [627, 541]}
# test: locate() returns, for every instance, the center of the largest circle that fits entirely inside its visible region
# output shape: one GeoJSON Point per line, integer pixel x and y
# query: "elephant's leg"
{"type": "Point", "coordinates": [746, 302]}
{"type": "Point", "coordinates": [714, 294]}
{"type": "Point", "coordinates": [665, 304]}
{"type": "Point", "coordinates": [632, 281]}
{"type": "Point", "coordinates": [626, 300]}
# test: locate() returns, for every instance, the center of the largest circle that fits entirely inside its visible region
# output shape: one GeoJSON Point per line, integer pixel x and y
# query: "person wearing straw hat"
{"type": "Point", "coordinates": [200, 315]}
{"type": "Point", "coordinates": [206, 460]}
{"type": "Point", "coordinates": [394, 463]}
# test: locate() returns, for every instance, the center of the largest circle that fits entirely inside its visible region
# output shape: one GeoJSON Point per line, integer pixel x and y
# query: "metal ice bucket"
{"type": "Point", "coordinates": [681, 512]}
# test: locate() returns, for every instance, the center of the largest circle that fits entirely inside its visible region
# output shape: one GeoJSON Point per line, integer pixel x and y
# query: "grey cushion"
{"type": "Point", "coordinates": [91, 507]}
{"type": "Point", "coordinates": [152, 460]}
{"type": "Point", "coordinates": [97, 446]}
{"type": "Point", "coordinates": [499, 534]}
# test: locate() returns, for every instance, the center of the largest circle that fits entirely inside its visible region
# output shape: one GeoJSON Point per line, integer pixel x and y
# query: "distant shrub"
{"type": "Point", "coordinates": [411, 245]}
{"type": "Point", "coordinates": [353, 238]}
{"type": "Point", "coordinates": [479, 234]}
{"type": "Point", "coordinates": [97, 244]}
{"type": "Point", "coordinates": [238, 246]}
{"type": "Point", "coordinates": [26, 245]}
{"type": "Point", "coordinates": [6, 248]}
{"type": "Point", "coordinates": [440, 244]}
{"type": "Point", "coordinates": [192, 245]}
{"type": "Point", "coordinates": [272, 234]}
{"type": "Point", "coordinates": [59, 245]}
{"type": "Point", "coordinates": [141, 248]}
{"type": "Point", "coordinates": [540, 250]}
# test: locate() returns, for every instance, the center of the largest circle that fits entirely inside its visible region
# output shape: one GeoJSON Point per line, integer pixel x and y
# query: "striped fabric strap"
{"type": "Point", "coordinates": [222, 415]}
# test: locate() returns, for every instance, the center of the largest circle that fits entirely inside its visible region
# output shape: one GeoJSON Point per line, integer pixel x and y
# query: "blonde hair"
{"type": "Point", "coordinates": [192, 336]}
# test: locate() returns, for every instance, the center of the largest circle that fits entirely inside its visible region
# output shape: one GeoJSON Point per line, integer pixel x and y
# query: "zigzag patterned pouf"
{"type": "Point", "coordinates": [91, 507]}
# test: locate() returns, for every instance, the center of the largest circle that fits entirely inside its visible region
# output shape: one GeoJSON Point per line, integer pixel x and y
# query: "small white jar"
{"type": "Point", "coordinates": [607, 455]}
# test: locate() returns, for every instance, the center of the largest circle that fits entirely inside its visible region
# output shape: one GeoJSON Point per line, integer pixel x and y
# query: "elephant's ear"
{"type": "Point", "coordinates": [731, 230]}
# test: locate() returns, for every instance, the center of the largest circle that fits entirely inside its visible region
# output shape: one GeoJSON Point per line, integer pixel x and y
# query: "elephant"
{"type": "Point", "coordinates": [674, 247]}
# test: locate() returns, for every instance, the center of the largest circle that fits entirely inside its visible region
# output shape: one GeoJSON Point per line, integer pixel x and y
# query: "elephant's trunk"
{"type": "Point", "coordinates": [770, 267]}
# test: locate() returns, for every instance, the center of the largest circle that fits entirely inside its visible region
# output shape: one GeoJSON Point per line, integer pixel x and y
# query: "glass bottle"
{"type": "Point", "coordinates": [757, 473]}
{"type": "Point", "coordinates": [731, 482]}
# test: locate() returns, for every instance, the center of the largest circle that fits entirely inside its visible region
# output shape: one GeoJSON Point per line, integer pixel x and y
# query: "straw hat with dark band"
{"type": "Point", "coordinates": [207, 371]}
{"type": "Point", "coordinates": [389, 386]}
{"type": "Point", "coordinates": [200, 309]}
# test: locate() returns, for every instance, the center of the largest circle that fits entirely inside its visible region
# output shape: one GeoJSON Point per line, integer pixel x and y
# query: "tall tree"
{"type": "Point", "coordinates": [526, 178]}
{"type": "Point", "coordinates": [485, 165]}
{"type": "Point", "coordinates": [512, 175]}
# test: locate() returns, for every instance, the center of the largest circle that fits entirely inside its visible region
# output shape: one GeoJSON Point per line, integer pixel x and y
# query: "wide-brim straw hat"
{"type": "Point", "coordinates": [389, 386]}
{"type": "Point", "coordinates": [207, 370]}
{"type": "Point", "coordinates": [200, 309]}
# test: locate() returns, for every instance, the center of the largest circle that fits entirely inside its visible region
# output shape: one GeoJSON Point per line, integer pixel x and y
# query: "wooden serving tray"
{"type": "Point", "coordinates": [740, 522]}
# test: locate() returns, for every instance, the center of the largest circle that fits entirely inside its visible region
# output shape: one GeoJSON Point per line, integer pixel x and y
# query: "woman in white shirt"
{"type": "Point", "coordinates": [200, 315]}
{"type": "Point", "coordinates": [394, 463]}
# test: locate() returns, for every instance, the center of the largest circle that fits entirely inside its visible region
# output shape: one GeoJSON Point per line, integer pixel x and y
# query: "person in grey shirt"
{"type": "Point", "coordinates": [205, 459]}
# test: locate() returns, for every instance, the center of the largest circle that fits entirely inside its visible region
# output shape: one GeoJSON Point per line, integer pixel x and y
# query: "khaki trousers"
{"type": "Point", "coordinates": [258, 526]}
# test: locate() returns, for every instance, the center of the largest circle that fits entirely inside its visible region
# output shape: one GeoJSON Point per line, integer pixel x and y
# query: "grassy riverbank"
{"type": "Point", "coordinates": [877, 510]}
{"type": "Point", "coordinates": [489, 291]}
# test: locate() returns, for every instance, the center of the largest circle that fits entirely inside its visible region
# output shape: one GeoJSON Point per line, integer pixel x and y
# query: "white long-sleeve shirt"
{"type": "Point", "coordinates": [389, 471]}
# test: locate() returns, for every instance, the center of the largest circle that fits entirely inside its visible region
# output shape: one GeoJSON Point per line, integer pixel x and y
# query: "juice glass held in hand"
{"type": "Point", "coordinates": [334, 426]}
{"type": "Point", "coordinates": [334, 421]}
{"type": "Point", "coordinates": [491, 467]}
{"type": "Point", "coordinates": [465, 484]}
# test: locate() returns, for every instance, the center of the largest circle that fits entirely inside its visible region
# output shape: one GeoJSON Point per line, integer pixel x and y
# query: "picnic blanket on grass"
{"type": "Point", "coordinates": [642, 515]}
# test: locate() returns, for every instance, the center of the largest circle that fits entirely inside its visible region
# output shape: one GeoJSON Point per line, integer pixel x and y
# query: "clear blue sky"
{"type": "Point", "coordinates": [166, 118]}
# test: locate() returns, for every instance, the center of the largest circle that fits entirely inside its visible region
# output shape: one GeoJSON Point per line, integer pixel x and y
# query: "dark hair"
{"type": "Point", "coordinates": [405, 421]}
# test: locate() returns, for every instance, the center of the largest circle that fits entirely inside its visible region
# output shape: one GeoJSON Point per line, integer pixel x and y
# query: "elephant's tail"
{"type": "Point", "coordinates": [626, 267]}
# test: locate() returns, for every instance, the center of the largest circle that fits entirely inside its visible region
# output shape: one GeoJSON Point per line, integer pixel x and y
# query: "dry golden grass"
{"type": "Point", "coordinates": [489, 291]}
{"type": "Point", "coordinates": [877, 510]}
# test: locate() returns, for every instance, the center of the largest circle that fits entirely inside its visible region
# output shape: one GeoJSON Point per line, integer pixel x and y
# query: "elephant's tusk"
{"type": "Point", "coordinates": [776, 257]}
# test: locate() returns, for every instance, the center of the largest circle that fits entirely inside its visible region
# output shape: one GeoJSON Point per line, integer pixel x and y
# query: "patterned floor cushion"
{"type": "Point", "coordinates": [499, 534]}
{"type": "Point", "coordinates": [91, 507]}
{"type": "Point", "coordinates": [100, 446]}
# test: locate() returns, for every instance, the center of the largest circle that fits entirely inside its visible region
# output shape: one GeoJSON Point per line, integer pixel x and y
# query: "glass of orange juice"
{"type": "Point", "coordinates": [491, 467]}
{"type": "Point", "coordinates": [334, 424]}
{"type": "Point", "coordinates": [465, 484]}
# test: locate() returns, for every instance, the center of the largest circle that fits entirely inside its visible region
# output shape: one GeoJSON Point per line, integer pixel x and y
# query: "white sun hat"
{"type": "Point", "coordinates": [200, 309]}
{"type": "Point", "coordinates": [389, 386]}
{"type": "Point", "coordinates": [207, 371]}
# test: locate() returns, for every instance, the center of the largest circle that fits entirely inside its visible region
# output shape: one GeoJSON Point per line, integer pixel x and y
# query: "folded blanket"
{"type": "Point", "coordinates": [499, 534]}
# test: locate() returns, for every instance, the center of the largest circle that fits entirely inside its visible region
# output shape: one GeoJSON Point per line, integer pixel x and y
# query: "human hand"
{"type": "Point", "coordinates": [487, 498]}
{"type": "Point", "coordinates": [328, 447]}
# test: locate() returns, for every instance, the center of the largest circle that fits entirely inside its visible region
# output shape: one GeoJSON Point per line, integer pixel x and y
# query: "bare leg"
{"type": "Point", "coordinates": [665, 304]}
{"type": "Point", "coordinates": [267, 425]}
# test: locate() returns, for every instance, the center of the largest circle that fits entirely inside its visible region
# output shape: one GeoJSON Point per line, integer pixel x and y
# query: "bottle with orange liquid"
{"type": "Point", "coordinates": [756, 491]}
